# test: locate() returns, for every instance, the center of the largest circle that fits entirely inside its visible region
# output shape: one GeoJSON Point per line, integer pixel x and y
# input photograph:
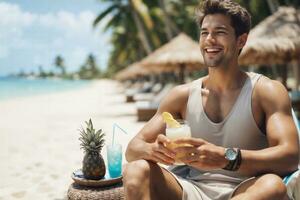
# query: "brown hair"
{"type": "Point", "coordinates": [240, 17]}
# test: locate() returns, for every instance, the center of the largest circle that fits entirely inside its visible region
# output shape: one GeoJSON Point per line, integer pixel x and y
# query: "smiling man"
{"type": "Point", "coordinates": [243, 135]}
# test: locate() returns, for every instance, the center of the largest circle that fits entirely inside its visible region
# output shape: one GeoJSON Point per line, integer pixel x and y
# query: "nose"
{"type": "Point", "coordinates": [210, 37]}
{"type": "Point", "coordinates": [208, 40]}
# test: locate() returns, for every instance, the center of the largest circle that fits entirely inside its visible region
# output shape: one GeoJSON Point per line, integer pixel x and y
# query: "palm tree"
{"type": "Point", "coordinates": [142, 33]}
{"type": "Point", "coordinates": [59, 63]}
{"type": "Point", "coordinates": [127, 49]}
{"type": "Point", "coordinates": [171, 28]}
{"type": "Point", "coordinates": [183, 15]}
{"type": "Point", "coordinates": [89, 69]}
{"type": "Point", "coordinates": [41, 72]}
{"type": "Point", "coordinates": [126, 11]}
{"type": "Point", "coordinates": [137, 28]}
{"type": "Point", "coordinates": [124, 35]}
{"type": "Point", "coordinates": [133, 34]}
{"type": "Point", "coordinates": [91, 63]}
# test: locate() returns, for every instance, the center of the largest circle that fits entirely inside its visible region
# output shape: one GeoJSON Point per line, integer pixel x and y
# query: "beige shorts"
{"type": "Point", "coordinates": [205, 190]}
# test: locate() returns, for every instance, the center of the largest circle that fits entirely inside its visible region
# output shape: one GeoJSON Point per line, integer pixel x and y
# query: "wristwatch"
{"type": "Point", "coordinates": [234, 158]}
{"type": "Point", "coordinates": [230, 154]}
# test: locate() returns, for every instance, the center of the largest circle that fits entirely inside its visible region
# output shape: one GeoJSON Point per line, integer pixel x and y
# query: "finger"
{"type": "Point", "coordinates": [164, 150]}
{"type": "Point", "coordinates": [163, 159]}
{"type": "Point", "coordinates": [192, 141]}
{"type": "Point", "coordinates": [163, 139]}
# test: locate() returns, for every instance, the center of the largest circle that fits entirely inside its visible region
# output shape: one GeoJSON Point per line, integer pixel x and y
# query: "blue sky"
{"type": "Point", "coordinates": [33, 32]}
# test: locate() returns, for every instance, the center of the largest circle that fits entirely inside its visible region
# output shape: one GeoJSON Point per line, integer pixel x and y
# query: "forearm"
{"type": "Point", "coordinates": [137, 149]}
{"type": "Point", "coordinates": [279, 160]}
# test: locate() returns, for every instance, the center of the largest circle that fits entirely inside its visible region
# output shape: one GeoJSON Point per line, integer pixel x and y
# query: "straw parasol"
{"type": "Point", "coordinates": [274, 40]}
{"type": "Point", "coordinates": [132, 71]}
{"type": "Point", "coordinates": [180, 53]}
{"type": "Point", "coordinates": [278, 50]}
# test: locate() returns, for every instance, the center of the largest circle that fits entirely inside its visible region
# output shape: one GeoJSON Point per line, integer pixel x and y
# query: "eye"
{"type": "Point", "coordinates": [221, 32]}
{"type": "Point", "coordinates": [204, 33]}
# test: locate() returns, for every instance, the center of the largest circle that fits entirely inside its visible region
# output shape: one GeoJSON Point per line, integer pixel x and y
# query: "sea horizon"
{"type": "Point", "coordinates": [15, 87]}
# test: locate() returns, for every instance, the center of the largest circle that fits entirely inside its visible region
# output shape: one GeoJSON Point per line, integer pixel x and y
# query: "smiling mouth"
{"type": "Point", "coordinates": [213, 51]}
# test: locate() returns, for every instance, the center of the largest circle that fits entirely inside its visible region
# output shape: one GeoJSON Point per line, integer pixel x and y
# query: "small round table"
{"type": "Point", "coordinates": [78, 192]}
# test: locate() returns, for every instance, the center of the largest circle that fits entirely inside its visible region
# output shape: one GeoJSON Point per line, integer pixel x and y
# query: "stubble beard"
{"type": "Point", "coordinates": [213, 62]}
{"type": "Point", "coordinates": [217, 61]}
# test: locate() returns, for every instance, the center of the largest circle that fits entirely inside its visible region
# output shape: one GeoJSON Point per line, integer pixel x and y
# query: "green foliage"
{"type": "Point", "coordinates": [91, 140]}
{"type": "Point", "coordinates": [89, 70]}
{"type": "Point", "coordinates": [127, 44]}
{"type": "Point", "coordinates": [43, 74]}
{"type": "Point", "coordinates": [59, 63]}
{"type": "Point", "coordinates": [259, 11]}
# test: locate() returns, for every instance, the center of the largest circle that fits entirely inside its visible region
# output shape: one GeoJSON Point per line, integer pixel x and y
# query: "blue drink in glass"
{"type": "Point", "coordinates": [114, 160]}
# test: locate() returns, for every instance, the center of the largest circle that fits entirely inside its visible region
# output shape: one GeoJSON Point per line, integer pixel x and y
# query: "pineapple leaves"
{"type": "Point", "coordinates": [91, 140]}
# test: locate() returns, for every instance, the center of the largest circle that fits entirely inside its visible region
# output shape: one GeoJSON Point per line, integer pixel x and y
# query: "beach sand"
{"type": "Point", "coordinates": [39, 146]}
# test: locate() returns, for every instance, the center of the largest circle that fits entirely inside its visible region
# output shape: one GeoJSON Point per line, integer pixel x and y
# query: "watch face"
{"type": "Point", "coordinates": [230, 154]}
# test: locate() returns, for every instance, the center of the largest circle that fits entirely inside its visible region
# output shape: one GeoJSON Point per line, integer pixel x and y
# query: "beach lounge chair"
{"type": "Point", "coordinates": [147, 96]}
{"type": "Point", "coordinates": [138, 88]}
{"type": "Point", "coordinates": [147, 109]}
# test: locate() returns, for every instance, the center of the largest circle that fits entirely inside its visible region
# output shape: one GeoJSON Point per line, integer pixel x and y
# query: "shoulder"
{"type": "Point", "coordinates": [178, 93]}
{"type": "Point", "coordinates": [176, 100]}
{"type": "Point", "coordinates": [272, 95]}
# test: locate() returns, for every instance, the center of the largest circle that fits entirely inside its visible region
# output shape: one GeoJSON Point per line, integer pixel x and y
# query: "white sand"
{"type": "Point", "coordinates": [39, 146]}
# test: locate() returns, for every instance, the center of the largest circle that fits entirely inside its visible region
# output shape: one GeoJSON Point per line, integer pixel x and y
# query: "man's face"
{"type": "Point", "coordinates": [218, 43]}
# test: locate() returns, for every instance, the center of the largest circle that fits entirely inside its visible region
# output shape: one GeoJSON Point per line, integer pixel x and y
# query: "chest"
{"type": "Point", "coordinates": [219, 106]}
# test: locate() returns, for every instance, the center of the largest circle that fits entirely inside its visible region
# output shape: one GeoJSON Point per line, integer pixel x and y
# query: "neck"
{"type": "Point", "coordinates": [221, 79]}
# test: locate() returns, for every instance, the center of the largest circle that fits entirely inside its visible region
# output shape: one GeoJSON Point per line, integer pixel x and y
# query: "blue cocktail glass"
{"type": "Point", "coordinates": [114, 160]}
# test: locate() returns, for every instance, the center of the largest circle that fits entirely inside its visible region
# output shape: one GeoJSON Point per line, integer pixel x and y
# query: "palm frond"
{"type": "Point", "coordinates": [102, 15]}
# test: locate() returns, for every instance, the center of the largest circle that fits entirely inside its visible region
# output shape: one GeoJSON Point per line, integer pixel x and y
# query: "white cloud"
{"type": "Point", "coordinates": [12, 15]}
{"type": "Point", "coordinates": [43, 36]}
{"type": "Point", "coordinates": [12, 23]}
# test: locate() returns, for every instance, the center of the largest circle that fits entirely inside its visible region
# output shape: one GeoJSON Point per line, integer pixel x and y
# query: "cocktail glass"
{"type": "Point", "coordinates": [114, 160]}
{"type": "Point", "coordinates": [184, 131]}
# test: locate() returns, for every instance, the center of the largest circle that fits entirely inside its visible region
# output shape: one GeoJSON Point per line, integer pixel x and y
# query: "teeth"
{"type": "Point", "coordinates": [212, 50]}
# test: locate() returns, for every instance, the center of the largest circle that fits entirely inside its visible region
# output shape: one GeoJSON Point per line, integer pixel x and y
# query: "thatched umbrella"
{"type": "Point", "coordinates": [277, 50]}
{"type": "Point", "coordinates": [180, 53]}
{"type": "Point", "coordinates": [274, 40]}
{"type": "Point", "coordinates": [132, 71]}
{"type": "Point", "coordinates": [283, 23]}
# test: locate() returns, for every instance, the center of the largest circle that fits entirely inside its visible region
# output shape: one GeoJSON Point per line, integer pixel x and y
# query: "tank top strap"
{"type": "Point", "coordinates": [254, 78]}
{"type": "Point", "coordinates": [193, 104]}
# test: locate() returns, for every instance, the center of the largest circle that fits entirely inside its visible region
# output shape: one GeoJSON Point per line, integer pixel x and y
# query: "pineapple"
{"type": "Point", "coordinates": [92, 141]}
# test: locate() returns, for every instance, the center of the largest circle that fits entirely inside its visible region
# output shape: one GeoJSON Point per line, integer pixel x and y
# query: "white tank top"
{"type": "Point", "coordinates": [238, 129]}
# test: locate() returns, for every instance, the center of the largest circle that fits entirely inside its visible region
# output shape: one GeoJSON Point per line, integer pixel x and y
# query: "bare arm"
{"type": "Point", "coordinates": [282, 155]}
{"type": "Point", "coordinates": [146, 144]}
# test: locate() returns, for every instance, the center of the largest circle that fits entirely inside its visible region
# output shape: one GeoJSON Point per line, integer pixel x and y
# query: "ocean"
{"type": "Point", "coordinates": [11, 87]}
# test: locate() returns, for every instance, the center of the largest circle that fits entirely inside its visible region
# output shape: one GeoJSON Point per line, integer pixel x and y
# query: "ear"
{"type": "Point", "coordinates": [242, 39]}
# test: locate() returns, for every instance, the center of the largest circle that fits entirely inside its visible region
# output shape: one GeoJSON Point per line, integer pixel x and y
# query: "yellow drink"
{"type": "Point", "coordinates": [184, 131]}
